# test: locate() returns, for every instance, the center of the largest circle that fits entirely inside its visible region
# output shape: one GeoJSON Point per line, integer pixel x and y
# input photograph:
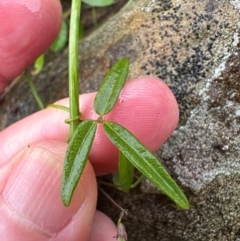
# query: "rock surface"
{"type": "Point", "coordinates": [195, 48]}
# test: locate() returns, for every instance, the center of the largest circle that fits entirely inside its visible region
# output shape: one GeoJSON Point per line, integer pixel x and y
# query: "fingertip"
{"type": "Point", "coordinates": [163, 107]}
{"type": "Point", "coordinates": [103, 228]}
{"type": "Point", "coordinates": [27, 30]}
{"type": "Point", "coordinates": [165, 99]}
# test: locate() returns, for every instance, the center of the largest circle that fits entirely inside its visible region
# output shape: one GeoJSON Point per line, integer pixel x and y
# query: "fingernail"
{"type": "Point", "coordinates": [33, 191]}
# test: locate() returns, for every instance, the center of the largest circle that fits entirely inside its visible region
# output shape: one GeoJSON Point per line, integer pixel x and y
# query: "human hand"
{"type": "Point", "coordinates": [32, 152]}
{"type": "Point", "coordinates": [27, 29]}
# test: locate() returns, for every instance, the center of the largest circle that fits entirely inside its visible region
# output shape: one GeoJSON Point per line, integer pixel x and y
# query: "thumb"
{"type": "Point", "coordinates": [30, 203]}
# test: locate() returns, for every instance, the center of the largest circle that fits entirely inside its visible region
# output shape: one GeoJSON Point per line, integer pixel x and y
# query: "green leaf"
{"type": "Point", "coordinates": [99, 3]}
{"type": "Point", "coordinates": [62, 38]}
{"type": "Point", "coordinates": [111, 87]}
{"type": "Point", "coordinates": [145, 162]}
{"type": "Point", "coordinates": [38, 64]}
{"type": "Point", "coordinates": [125, 172]}
{"type": "Point", "coordinates": [76, 158]}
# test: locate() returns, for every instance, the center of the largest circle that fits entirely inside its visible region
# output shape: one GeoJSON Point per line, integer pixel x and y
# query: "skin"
{"type": "Point", "coordinates": [32, 150]}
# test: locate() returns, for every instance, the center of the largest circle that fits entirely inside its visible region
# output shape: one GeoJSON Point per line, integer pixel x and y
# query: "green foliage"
{"type": "Point", "coordinates": [111, 87]}
{"type": "Point", "coordinates": [125, 172]}
{"type": "Point", "coordinates": [62, 38]}
{"type": "Point", "coordinates": [76, 158]}
{"type": "Point", "coordinates": [132, 151]}
{"type": "Point", "coordinates": [144, 161]}
{"type": "Point", "coordinates": [38, 64]}
{"type": "Point", "coordinates": [34, 90]}
{"type": "Point", "coordinates": [99, 3]}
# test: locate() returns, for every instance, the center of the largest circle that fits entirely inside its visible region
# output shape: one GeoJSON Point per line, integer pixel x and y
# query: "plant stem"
{"type": "Point", "coordinates": [61, 107]}
{"type": "Point", "coordinates": [112, 201]}
{"type": "Point", "coordinates": [139, 180]}
{"type": "Point", "coordinates": [34, 90]}
{"type": "Point", "coordinates": [73, 74]}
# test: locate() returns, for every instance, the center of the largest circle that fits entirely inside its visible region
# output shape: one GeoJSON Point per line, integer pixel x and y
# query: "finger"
{"type": "Point", "coordinates": [103, 228]}
{"type": "Point", "coordinates": [27, 29]}
{"type": "Point", "coordinates": [30, 204]}
{"type": "Point", "coordinates": [146, 107]}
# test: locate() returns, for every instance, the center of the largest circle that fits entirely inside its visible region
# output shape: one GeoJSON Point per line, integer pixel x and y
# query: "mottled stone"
{"type": "Point", "coordinates": [194, 47]}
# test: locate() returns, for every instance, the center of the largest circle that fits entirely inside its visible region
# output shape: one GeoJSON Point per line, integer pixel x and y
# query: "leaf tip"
{"type": "Point", "coordinates": [66, 199]}
{"type": "Point", "coordinates": [183, 203]}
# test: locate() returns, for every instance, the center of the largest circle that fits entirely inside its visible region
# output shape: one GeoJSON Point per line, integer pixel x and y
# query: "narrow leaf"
{"type": "Point", "coordinates": [125, 172]}
{"type": "Point", "coordinates": [38, 64]}
{"type": "Point", "coordinates": [145, 162]}
{"type": "Point", "coordinates": [99, 3]}
{"type": "Point", "coordinates": [76, 158]}
{"type": "Point", "coordinates": [62, 38]}
{"type": "Point", "coordinates": [111, 87]}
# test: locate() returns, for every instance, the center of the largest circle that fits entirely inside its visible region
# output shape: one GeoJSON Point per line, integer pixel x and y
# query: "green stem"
{"type": "Point", "coordinates": [139, 180]}
{"type": "Point", "coordinates": [34, 90]}
{"type": "Point", "coordinates": [109, 184]}
{"type": "Point", "coordinates": [61, 107]}
{"type": "Point", "coordinates": [73, 65]}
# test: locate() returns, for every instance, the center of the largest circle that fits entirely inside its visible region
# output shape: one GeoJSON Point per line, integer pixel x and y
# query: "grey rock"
{"type": "Point", "coordinates": [195, 48]}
